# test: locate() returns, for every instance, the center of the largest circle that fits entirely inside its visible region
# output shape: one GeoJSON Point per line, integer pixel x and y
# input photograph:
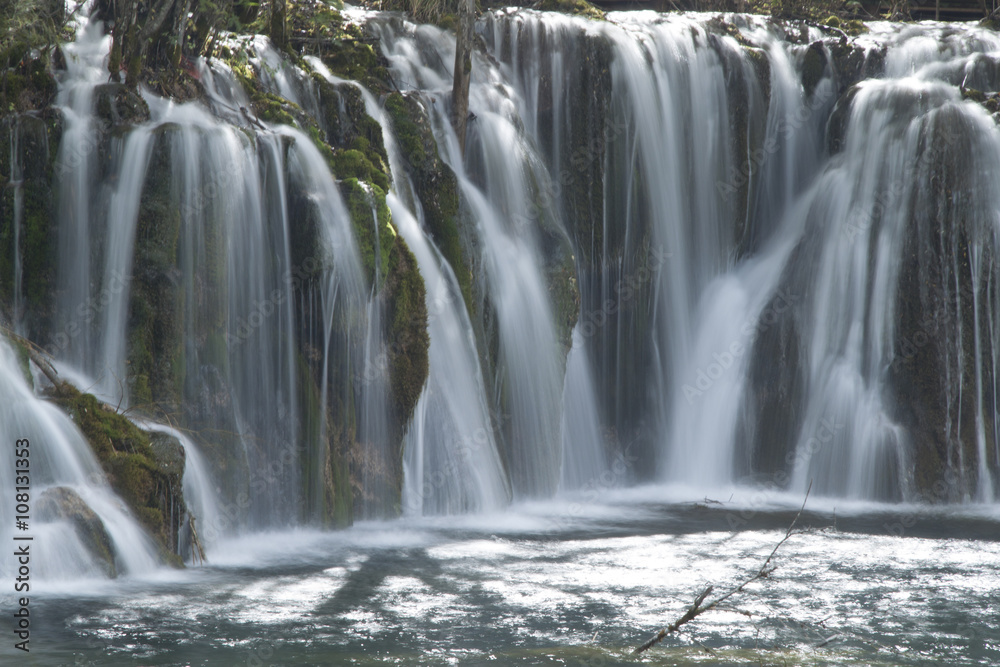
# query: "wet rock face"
{"type": "Point", "coordinates": [115, 104]}
{"type": "Point", "coordinates": [775, 401]}
{"type": "Point", "coordinates": [942, 373]}
{"type": "Point", "coordinates": [62, 503]}
{"type": "Point", "coordinates": [144, 469]}
{"type": "Point", "coordinates": [28, 146]}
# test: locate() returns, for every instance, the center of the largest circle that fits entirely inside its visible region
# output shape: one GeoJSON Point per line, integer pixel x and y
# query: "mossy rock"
{"type": "Point", "coordinates": [369, 211]}
{"type": "Point", "coordinates": [352, 163]}
{"type": "Point", "coordinates": [150, 485]}
{"type": "Point", "coordinates": [814, 63]}
{"type": "Point", "coordinates": [62, 503]}
{"type": "Point", "coordinates": [116, 104]}
{"type": "Point", "coordinates": [435, 183]}
{"type": "Point", "coordinates": [27, 86]}
{"type": "Point", "coordinates": [855, 27]}
{"type": "Point", "coordinates": [348, 127]}
{"type": "Point", "coordinates": [408, 337]}
{"type": "Point", "coordinates": [377, 472]}
{"type": "Point", "coordinates": [989, 101]}
{"type": "Point", "coordinates": [155, 298]}
{"type": "Point", "coordinates": [353, 54]}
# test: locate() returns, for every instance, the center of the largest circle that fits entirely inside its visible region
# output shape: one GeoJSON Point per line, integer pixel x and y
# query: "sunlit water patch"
{"type": "Point", "coordinates": [557, 591]}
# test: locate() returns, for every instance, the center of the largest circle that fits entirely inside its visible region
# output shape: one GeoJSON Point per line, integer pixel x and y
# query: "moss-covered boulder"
{"type": "Point", "coordinates": [359, 150]}
{"type": "Point", "coordinates": [376, 467]}
{"type": "Point", "coordinates": [60, 503]}
{"type": "Point", "coordinates": [147, 476]}
{"type": "Point", "coordinates": [352, 53]}
{"type": "Point", "coordinates": [434, 182]}
{"type": "Point", "coordinates": [115, 105]}
{"type": "Point", "coordinates": [407, 332]}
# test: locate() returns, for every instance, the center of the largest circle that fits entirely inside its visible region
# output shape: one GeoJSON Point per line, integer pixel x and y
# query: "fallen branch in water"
{"type": "Point", "coordinates": [197, 550]}
{"type": "Point", "coordinates": [37, 355]}
{"type": "Point", "coordinates": [700, 606]}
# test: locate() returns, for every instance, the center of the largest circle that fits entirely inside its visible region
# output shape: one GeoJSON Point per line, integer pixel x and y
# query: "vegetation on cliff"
{"type": "Point", "coordinates": [145, 469]}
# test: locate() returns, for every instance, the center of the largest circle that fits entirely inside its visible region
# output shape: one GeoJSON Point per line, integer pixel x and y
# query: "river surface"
{"type": "Point", "coordinates": [569, 582]}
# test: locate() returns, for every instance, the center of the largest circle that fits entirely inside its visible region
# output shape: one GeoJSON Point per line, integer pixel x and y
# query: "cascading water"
{"type": "Point", "coordinates": [451, 461]}
{"type": "Point", "coordinates": [66, 486]}
{"type": "Point", "coordinates": [508, 178]}
{"type": "Point", "coordinates": [227, 196]}
{"type": "Point", "coordinates": [708, 203]}
{"type": "Point", "coordinates": [731, 231]}
{"type": "Point", "coordinates": [694, 250]}
{"type": "Point", "coordinates": [75, 169]}
{"type": "Point", "coordinates": [200, 495]}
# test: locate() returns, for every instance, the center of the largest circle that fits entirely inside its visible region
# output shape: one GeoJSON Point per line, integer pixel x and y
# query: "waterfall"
{"type": "Point", "coordinates": [451, 463]}
{"type": "Point", "coordinates": [62, 471]}
{"type": "Point", "coordinates": [200, 494]}
{"type": "Point", "coordinates": [503, 180]}
{"type": "Point", "coordinates": [75, 168]}
{"type": "Point", "coordinates": [227, 196]}
{"type": "Point", "coordinates": [711, 166]}
{"type": "Point", "coordinates": [703, 247]}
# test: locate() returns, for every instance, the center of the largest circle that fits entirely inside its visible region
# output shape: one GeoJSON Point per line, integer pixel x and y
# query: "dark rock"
{"type": "Point", "coordinates": [62, 503]}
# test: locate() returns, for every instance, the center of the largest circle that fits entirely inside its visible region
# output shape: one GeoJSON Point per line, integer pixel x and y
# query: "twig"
{"type": "Point", "coordinates": [700, 607]}
{"type": "Point", "coordinates": [197, 551]}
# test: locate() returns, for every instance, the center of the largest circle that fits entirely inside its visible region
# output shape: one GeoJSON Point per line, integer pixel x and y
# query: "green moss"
{"type": "Point", "coordinates": [408, 337]}
{"type": "Point", "coordinates": [149, 482]}
{"type": "Point", "coordinates": [27, 86]}
{"type": "Point", "coordinates": [349, 127]}
{"type": "Point", "coordinates": [577, 7]}
{"type": "Point", "coordinates": [435, 183]}
{"type": "Point", "coordinates": [352, 163]}
{"type": "Point", "coordinates": [270, 107]}
{"type": "Point", "coordinates": [855, 27]}
{"type": "Point", "coordinates": [369, 211]}
{"type": "Point", "coordinates": [351, 54]}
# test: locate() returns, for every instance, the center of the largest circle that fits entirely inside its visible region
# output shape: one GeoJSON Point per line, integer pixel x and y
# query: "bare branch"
{"type": "Point", "coordinates": [700, 606]}
{"type": "Point", "coordinates": [37, 355]}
